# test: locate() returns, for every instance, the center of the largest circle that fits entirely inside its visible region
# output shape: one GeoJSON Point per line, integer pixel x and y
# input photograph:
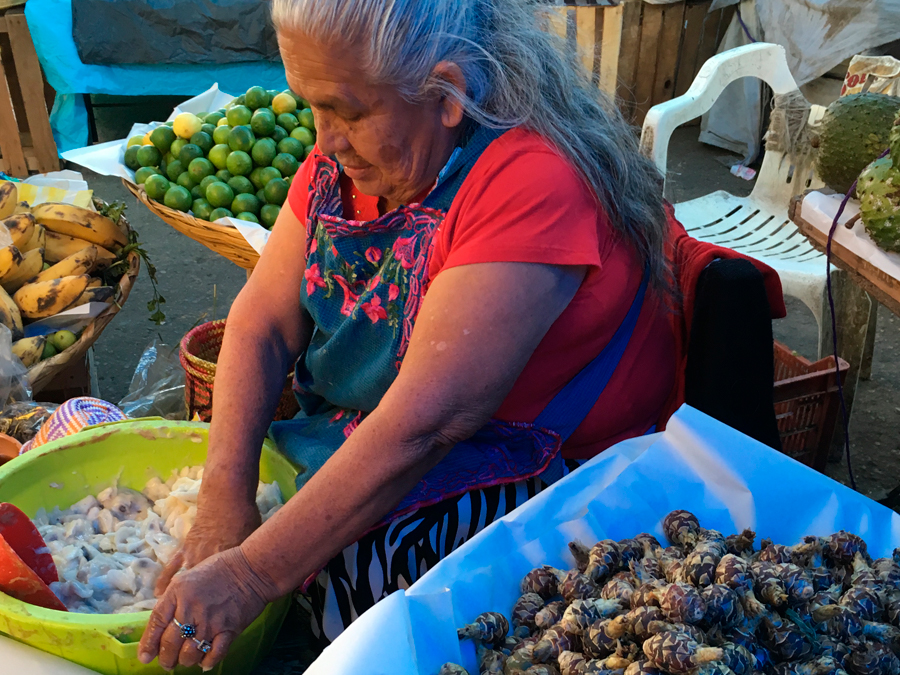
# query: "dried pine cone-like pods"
{"type": "Point", "coordinates": [452, 669]}
{"type": "Point", "coordinates": [605, 559]}
{"type": "Point", "coordinates": [635, 623]}
{"type": "Point", "coordinates": [488, 627]}
{"type": "Point", "coordinates": [784, 638]}
{"type": "Point", "coordinates": [682, 603]}
{"type": "Point", "coordinates": [677, 653]}
{"type": "Point", "coordinates": [550, 614]}
{"type": "Point", "coordinates": [836, 649]}
{"type": "Point", "coordinates": [521, 659]}
{"type": "Point", "coordinates": [646, 570]}
{"type": "Point", "coordinates": [643, 667]}
{"type": "Point", "coordinates": [553, 642]}
{"type": "Point", "coordinates": [597, 640]}
{"type": "Point", "coordinates": [734, 572]}
{"type": "Point", "coordinates": [581, 614]}
{"type": "Point", "coordinates": [526, 609]}
{"type": "Point", "coordinates": [646, 594]}
{"type": "Point", "coordinates": [617, 589]}
{"type": "Point", "coordinates": [700, 567]}
{"type": "Point", "coordinates": [821, 577]}
{"type": "Point", "coordinates": [888, 572]}
{"type": "Point", "coordinates": [577, 586]}
{"type": "Point", "coordinates": [823, 665]}
{"type": "Point", "coordinates": [841, 547]}
{"type": "Point", "coordinates": [768, 585]}
{"type": "Point", "coordinates": [775, 553]}
{"type": "Point", "coordinates": [761, 656]}
{"type": "Point", "coordinates": [892, 611]}
{"type": "Point", "coordinates": [741, 661]}
{"type": "Point", "coordinates": [692, 632]}
{"type": "Point", "coordinates": [649, 542]}
{"type": "Point", "coordinates": [712, 541]}
{"type": "Point", "coordinates": [572, 663]}
{"type": "Point", "coordinates": [681, 528]}
{"type": "Point", "coordinates": [863, 602]}
{"type": "Point", "coordinates": [581, 553]}
{"type": "Point", "coordinates": [873, 658]}
{"type": "Point", "coordinates": [542, 669]}
{"type": "Point", "coordinates": [490, 662]}
{"type": "Point", "coordinates": [740, 544]}
{"type": "Point", "coordinates": [840, 622]}
{"type": "Point", "coordinates": [542, 580]}
{"type": "Point", "coordinates": [630, 549]}
{"type": "Point", "coordinates": [797, 582]}
{"type": "Point", "coordinates": [723, 607]}
{"type": "Point", "coordinates": [809, 552]}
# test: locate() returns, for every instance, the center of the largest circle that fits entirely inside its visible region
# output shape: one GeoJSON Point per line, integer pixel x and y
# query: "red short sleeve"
{"type": "Point", "coordinates": [298, 195]}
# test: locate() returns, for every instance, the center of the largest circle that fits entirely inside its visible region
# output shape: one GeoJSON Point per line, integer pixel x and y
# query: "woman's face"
{"type": "Point", "coordinates": [389, 147]}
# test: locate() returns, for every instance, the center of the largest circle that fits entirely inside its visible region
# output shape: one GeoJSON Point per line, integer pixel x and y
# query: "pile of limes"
{"type": "Point", "coordinates": [237, 161]}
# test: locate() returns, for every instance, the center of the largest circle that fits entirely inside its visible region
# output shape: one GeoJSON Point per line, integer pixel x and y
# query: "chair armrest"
{"type": "Point", "coordinates": [764, 61]}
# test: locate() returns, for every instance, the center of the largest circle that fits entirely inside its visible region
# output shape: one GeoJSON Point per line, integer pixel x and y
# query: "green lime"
{"type": "Point", "coordinates": [239, 115]}
{"type": "Point", "coordinates": [201, 209]}
{"type": "Point", "coordinates": [49, 351]}
{"type": "Point", "coordinates": [241, 138]}
{"type": "Point", "coordinates": [203, 141]}
{"type": "Point", "coordinates": [245, 203]}
{"type": "Point", "coordinates": [268, 173]}
{"type": "Point", "coordinates": [148, 155]}
{"type": "Point", "coordinates": [162, 138]}
{"type": "Point", "coordinates": [255, 178]}
{"type": "Point", "coordinates": [220, 135]}
{"type": "Point", "coordinates": [62, 339]}
{"type": "Point", "coordinates": [208, 129]}
{"type": "Point", "coordinates": [261, 196]}
{"type": "Point", "coordinates": [206, 182]}
{"type": "Point", "coordinates": [156, 187]}
{"type": "Point", "coordinates": [239, 163]}
{"type": "Point", "coordinates": [219, 154]}
{"type": "Point", "coordinates": [306, 118]}
{"type": "Point", "coordinates": [222, 111]}
{"type": "Point", "coordinates": [238, 101]}
{"type": "Point", "coordinates": [283, 103]}
{"type": "Point", "coordinates": [272, 94]}
{"type": "Point", "coordinates": [177, 146]}
{"type": "Point", "coordinates": [276, 191]}
{"type": "Point", "coordinates": [296, 98]}
{"type": "Point", "coordinates": [142, 174]}
{"type": "Point", "coordinates": [287, 164]}
{"type": "Point", "coordinates": [197, 193]}
{"type": "Point", "coordinates": [170, 124]}
{"type": "Point", "coordinates": [304, 135]}
{"type": "Point", "coordinates": [185, 180]}
{"type": "Point", "coordinates": [189, 153]}
{"type": "Point", "coordinates": [200, 168]}
{"type": "Point", "coordinates": [264, 151]}
{"type": "Point", "coordinates": [213, 118]}
{"type": "Point", "coordinates": [131, 160]}
{"type": "Point", "coordinates": [288, 121]}
{"type": "Point", "coordinates": [308, 150]}
{"type": "Point", "coordinates": [220, 213]}
{"type": "Point", "coordinates": [256, 98]}
{"type": "Point", "coordinates": [279, 134]}
{"type": "Point", "coordinates": [223, 175]}
{"type": "Point", "coordinates": [178, 197]}
{"type": "Point", "coordinates": [292, 147]}
{"type": "Point", "coordinates": [135, 140]}
{"type": "Point", "coordinates": [263, 122]}
{"type": "Point", "coordinates": [222, 122]}
{"type": "Point", "coordinates": [246, 215]}
{"type": "Point", "coordinates": [174, 169]}
{"type": "Point", "coordinates": [163, 165]}
{"type": "Point", "coordinates": [219, 195]}
{"type": "Point", "coordinates": [268, 214]}
{"type": "Point", "coordinates": [241, 185]}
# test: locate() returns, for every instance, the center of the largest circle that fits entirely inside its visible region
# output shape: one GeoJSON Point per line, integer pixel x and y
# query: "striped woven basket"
{"type": "Point", "coordinates": [199, 353]}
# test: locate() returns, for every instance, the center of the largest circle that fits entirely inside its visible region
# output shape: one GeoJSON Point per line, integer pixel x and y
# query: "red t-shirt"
{"type": "Point", "coordinates": [523, 202]}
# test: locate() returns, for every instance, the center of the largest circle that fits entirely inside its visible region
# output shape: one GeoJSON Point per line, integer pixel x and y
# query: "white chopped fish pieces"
{"type": "Point", "coordinates": [110, 549]}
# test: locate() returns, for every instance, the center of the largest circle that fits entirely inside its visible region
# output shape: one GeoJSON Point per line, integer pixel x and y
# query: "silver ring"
{"type": "Point", "coordinates": [203, 645]}
{"type": "Point", "coordinates": [189, 632]}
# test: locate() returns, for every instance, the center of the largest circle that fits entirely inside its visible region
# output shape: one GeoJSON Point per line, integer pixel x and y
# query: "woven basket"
{"type": "Point", "coordinates": [199, 354]}
{"type": "Point", "coordinates": [44, 372]}
{"type": "Point", "coordinates": [222, 239]}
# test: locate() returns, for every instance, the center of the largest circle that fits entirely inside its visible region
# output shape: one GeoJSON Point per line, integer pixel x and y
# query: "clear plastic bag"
{"type": "Point", "coordinates": [157, 388]}
{"type": "Point", "coordinates": [14, 384]}
{"type": "Point", "coordinates": [24, 419]}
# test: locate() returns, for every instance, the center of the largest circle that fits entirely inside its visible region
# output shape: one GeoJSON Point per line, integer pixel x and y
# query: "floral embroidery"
{"type": "Point", "coordinates": [374, 310]}
{"type": "Point", "coordinates": [393, 292]}
{"type": "Point", "coordinates": [351, 427]}
{"type": "Point", "coordinates": [373, 255]}
{"type": "Point", "coordinates": [350, 297]}
{"type": "Point", "coordinates": [313, 247]}
{"type": "Point", "coordinates": [404, 250]}
{"type": "Point", "coordinates": [313, 278]}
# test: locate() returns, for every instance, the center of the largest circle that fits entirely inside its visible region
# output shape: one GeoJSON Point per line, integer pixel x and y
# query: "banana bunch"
{"type": "Point", "coordinates": [47, 268]}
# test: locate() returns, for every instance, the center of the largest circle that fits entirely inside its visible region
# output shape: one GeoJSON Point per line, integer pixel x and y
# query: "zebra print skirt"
{"type": "Point", "coordinates": [397, 554]}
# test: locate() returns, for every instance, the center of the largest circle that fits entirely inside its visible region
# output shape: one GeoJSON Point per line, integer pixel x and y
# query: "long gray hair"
{"type": "Point", "coordinates": [517, 75]}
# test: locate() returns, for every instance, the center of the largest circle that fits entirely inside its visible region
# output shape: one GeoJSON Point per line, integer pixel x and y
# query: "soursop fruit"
{"type": "Point", "coordinates": [853, 132]}
{"type": "Point", "coordinates": [879, 202]}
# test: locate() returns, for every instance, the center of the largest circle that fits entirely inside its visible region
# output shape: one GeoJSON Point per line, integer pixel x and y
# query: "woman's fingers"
{"type": "Point", "coordinates": [160, 620]}
{"type": "Point", "coordinates": [170, 571]}
{"type": "Point", "coordinates": [170, 646]}
{"type": "Point", "coordinates": [190, 655]}
{"type": "Point", "coordinates": [220, 646]}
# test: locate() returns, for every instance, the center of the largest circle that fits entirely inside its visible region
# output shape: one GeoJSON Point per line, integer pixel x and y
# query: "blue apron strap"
{"type": "Point", "coordinates": [461, 162]}
{"type": "Point", "coordinates": [568, 409]}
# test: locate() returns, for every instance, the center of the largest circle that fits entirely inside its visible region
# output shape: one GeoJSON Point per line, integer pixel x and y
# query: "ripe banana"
{"type": "Point", "coordinates": [10, 315]}
{"type": "Point", "coordinates": [21, 228]}
{"type": "Point", "coordinates": [9, 194]}
{"type": "Point", "coordinates": [38, 239]}
{"type": "Point", "coordinates": [95, 283]}
{"type": "Point", "coordinates": [74, 265]}
{"type": "Point", "coordinates": [81, 223]}
{"type": "Point", "coordinates": [22, 207]}
{"type": "Point", "coordinates": [95, 294]}
{"type": "Point", "coordinates": [29, 350]}
{"type": "Point", "coordinates": [31, 265]}
{"type": "Point", "coordinates": [47, 298]}
{"type": "Point", "coordinates": [10, 259]}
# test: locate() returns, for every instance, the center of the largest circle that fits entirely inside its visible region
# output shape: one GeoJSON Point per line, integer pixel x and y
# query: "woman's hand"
{"type": "Point", "coordinates": [221, 596]}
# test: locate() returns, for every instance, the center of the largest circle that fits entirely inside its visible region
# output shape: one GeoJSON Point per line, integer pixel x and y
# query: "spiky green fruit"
{"type": "Point", "coordinates": [879, 202]}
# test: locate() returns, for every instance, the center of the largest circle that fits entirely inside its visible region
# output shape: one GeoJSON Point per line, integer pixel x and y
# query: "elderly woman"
{"type": "Point", "coordinates": [470, 279]}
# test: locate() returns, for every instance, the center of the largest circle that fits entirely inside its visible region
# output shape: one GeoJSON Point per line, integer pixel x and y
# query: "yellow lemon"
{"type": "Point", "coordinates": [186, 125]}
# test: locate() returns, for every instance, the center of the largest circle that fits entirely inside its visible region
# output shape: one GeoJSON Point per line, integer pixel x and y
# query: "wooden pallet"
{"type": "Point", "coordinates": [26, 140]}
{"type": "Point", "coordinates": [643, 54]}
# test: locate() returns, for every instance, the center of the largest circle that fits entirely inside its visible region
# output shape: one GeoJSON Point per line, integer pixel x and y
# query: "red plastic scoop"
{"type": "Point", "coordinates": [26, 566]}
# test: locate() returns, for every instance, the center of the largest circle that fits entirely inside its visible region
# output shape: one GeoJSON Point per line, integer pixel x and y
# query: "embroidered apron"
{"type": "Point", "coordinates": [363, 287]}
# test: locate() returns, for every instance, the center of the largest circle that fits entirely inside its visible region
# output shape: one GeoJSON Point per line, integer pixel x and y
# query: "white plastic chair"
{"type": "Point", "coordinates": [757, 225]}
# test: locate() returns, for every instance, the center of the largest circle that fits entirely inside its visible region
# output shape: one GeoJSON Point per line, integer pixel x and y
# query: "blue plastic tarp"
{"type": "Point", "coordinates": [50, 23]}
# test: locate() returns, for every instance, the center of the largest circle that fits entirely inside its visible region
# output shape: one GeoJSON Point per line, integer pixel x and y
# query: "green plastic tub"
{"type": "Point", "coordinates": [62, 472]}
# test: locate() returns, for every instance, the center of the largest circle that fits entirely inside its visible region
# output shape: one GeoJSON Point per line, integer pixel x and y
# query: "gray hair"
{"type": "Point", "coordinates": [517, 75]}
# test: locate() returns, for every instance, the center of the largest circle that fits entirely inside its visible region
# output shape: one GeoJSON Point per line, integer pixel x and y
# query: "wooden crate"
{"type": "Point", "coordinates": [26, 140]}
{"type": "Point", "coordinates": [643, 53]}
